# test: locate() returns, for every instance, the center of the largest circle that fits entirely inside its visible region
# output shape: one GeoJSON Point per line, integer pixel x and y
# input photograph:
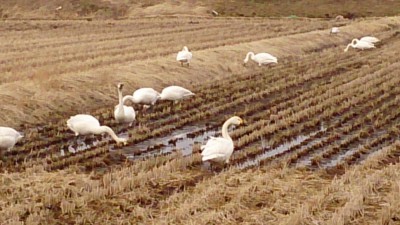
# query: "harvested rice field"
{"type": "Point", "coordinates": [319, 143]}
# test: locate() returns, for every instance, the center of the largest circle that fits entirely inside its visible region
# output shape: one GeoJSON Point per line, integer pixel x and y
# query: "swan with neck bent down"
{"type": "Point", "coordinates": [220, 149]}
{"type": "Point", "coordinates": [83, 124]}
{"type": "Point", "coordinates": [144, 96]}
{"type": "Point", "coordinates": [260, 58]}
{"type": "Point", "coordinates": [184, 56]}
{"type": "Point", "coordinates": [122, 113]}
{"type": "Point", "coordinates": [175, 93]}
{"type": "Point", "coordinates": [355, 43]}
{"type": "Point", "coordinates": [9, 137]}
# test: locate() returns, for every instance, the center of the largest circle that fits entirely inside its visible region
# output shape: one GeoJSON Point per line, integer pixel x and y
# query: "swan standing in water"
{"type": "Point", "coordinates": [144, 96]}
{"type": "Point", "coordinates": [370, 39]}
{"type": "Point", "coordinates": [9, 137]}
{"type": "Point", "coordinates": [220, 149]}
{"type": "Point", "coordinates": [355, 43]}
{"type": "Point", "coordinates": [260, 58]}
{"type": "Point", "coordinates": [122, 113]}
{"type": "Point", "coordinates": [83, 124]}
{"type": "Point", "coordinates": [175, 93]}
{"type": "Point", "coordinates": [184, 56]}
{"type": "Point", "coordinates": [335, 30]}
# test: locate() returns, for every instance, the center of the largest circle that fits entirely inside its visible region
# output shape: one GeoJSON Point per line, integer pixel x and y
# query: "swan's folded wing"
{"type": "Point", "coordinates": [217, 146]}
{"type": "Point", "coordinates": [82, 118]}
{"type": "Point", "coordinates": [181, 56]}
{"type": "Point", "coordinates": [209, 143]}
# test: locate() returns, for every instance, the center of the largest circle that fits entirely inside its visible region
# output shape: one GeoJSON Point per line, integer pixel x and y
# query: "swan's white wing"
{"type": "Point", "coordinates": [82, 123]}
{"type": "Point", "coordinates": [8, 131]}
{"type": "Point", "coordinates": [209, 142]}
{"type": "Point", "coordinates": [8, 137]}
{"type": "Point", "coordinates": [370, 39]}
{"type": "Point", "coordinates": [175, 93]}
{"type": "Point", "coordinates": [130, 114]}
{"type": "Point", "coordinates": [182, 55]}
{"type": "Point", "coordinates": [364, 45]}
{"type": "Point", "coordinates": [7, 142]}
{"type": "Point", "coordinates": [146, 96]}
{"type": "Point", "coordinates": [189, 55]}
{"type": "Point", "coordinates": [265, 58]}
{"type": "Point", "coordinates": [218, 149]}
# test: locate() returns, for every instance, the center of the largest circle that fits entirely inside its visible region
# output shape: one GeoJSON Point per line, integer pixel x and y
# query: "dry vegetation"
{"type": "Point", "coordinates": [117, 9]}
{"type": "Point", "coordinates": [320, 145]}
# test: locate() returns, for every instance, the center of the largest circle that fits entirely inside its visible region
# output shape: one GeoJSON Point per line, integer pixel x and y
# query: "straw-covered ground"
{"type": "Point", "coordinates": [320, 144]}
{"type": "Point", "coordinates": [99, 9]}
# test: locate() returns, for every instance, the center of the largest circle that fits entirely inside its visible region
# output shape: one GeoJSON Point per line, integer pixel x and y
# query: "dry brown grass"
{"type": "Point", "coordinates": [49, 77]}
{"type": "Point", "coordinates": [73, 9]}
{"type": "Point", "coordinates": [274, 194]}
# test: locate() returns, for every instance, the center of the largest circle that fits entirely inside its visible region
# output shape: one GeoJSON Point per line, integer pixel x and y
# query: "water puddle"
{"type": "Point", "coordinates": [179, 140]}
{"type": "Point", "coordinates": [335, 160]}
{"type": "Point", "coordinates": [83, 143]}
{"type": "Point", "coordinates": [278, 150]}
{"type": "Point", "coordinates": [306, 160]}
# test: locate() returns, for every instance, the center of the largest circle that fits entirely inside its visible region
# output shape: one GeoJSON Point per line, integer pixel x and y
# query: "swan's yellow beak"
{"type": "Point", "coordinates": [241, 121]}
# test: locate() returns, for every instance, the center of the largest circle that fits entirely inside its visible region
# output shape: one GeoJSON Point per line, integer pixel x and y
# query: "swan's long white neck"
{"type": "Point", "coordinates": [348, 46]}
{"type": "Point", "coordinates": [225, 133]}
{"type": "Point", "coordinates": [248, 55]}
{"type": "Point", "coordinates": [352, 44]}
{"type": "Point", "coordinates": [129, 98]}
{"type": "Point", "coordinates": [121, 104]}
{"type": "Point", "coordinates": [108, 130]}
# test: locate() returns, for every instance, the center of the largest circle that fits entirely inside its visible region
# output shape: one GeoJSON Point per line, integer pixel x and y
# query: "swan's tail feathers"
{"type": "Point", "coordinates": [213, 156]}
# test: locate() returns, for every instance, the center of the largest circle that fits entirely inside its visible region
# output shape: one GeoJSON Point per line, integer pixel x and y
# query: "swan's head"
{"type": "Point", "coordinates": [122, 141]}
{"type": "Point", "coordinates": [185, 48]}
{"type": "Point", "coordinates": [120, 86]}
{"type": "Point", "coordinates": [236, 120]}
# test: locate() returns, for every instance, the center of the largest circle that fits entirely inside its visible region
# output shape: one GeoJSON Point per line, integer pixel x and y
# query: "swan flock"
{"type": "Point", "coordinates": [217, 149]}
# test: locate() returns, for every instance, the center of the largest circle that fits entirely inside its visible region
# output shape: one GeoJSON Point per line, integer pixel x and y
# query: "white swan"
{"type": "Point", "coordinates": [220, 149]}
{"type": "Point", "coordinates": [335, 30]}
{"type": "Point", "coordinates": [175, 93]}
{"type": "Point", "coordinates": [83, 124]}
{"type": "Point", "coordinates": [355, 43]}
{"type": "Point", "coordinates": [370, 39]}
{"type": "Point", "coordinates": [122, 113]}
{"type": "Point", "coordinates": [184, 56]}
{"type": "Point", "coordinates": [9, 137]}
{"type": "Point", "coordinates": [261, 58]}
{"type": "Point", "coordinates": [143, 96]}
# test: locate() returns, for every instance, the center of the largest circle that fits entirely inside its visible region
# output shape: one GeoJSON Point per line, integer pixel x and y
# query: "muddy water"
{"type": "Point", "coordinates": [335, 160]}
{"type": "Point", "coordinates": [278, 150]}
{"type": "Point", "coordinates": [179, 140]}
